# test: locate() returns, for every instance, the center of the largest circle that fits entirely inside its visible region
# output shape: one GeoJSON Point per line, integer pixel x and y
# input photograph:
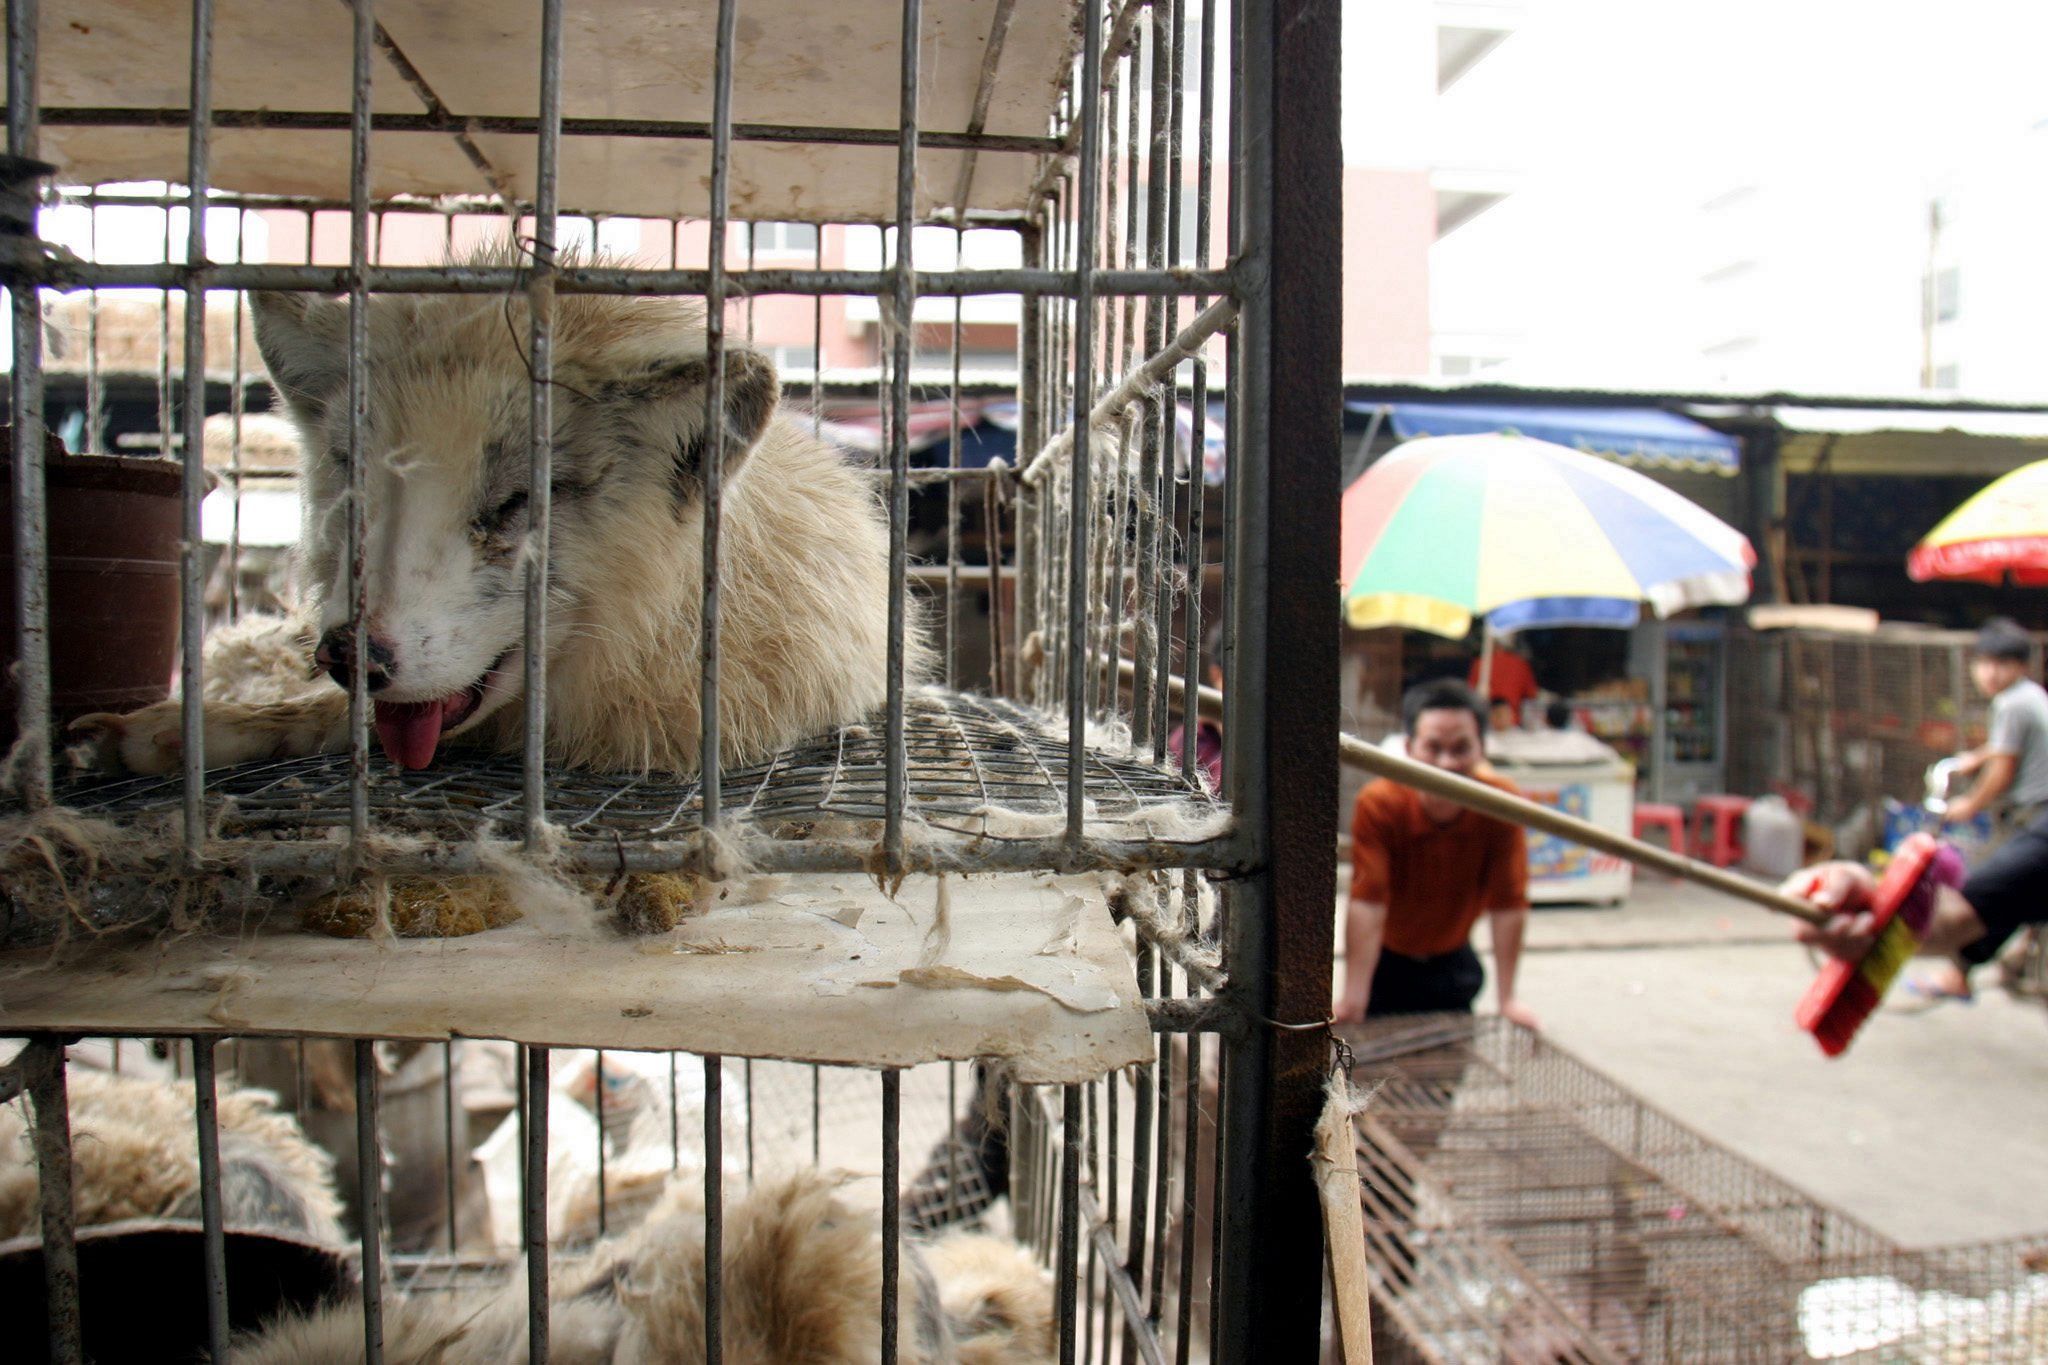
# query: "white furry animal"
{"type": "Point", "coordinates": [996, 1298]}
{"type": "Point", "coordinates": [802, 1283]}
{"type": "Point", "coordinates": [803, 580]}
{"type": "Point", "coordinates": [135, 1154]}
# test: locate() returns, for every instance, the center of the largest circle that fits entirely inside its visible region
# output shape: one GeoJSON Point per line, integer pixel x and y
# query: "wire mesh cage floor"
{"type": "Point", "coordinates": [1521, 1206]}
{"type": "Point", "coordinates": [969, 757]}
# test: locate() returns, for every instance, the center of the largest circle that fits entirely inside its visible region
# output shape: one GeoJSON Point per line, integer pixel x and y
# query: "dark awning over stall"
{"type": "Point", "coordinates": [1645, 437]}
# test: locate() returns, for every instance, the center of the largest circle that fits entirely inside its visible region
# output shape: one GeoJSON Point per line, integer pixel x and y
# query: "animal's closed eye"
{"type": "Point", "coordinates": [501, 516]}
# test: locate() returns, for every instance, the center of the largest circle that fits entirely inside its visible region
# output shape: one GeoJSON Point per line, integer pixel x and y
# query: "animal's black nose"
{"type": "Point", "coordinates": [337, 655]}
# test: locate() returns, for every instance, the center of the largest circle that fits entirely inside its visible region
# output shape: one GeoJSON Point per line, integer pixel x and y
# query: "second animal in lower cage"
{"type": "Point", "coordinates": [801, 1280]}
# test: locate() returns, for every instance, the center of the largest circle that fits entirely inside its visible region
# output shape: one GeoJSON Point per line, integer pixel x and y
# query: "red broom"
{"type": "Point", "coordinates": [1846, 993]}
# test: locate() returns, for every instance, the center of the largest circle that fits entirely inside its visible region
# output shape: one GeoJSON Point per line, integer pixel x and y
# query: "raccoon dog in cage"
{"type": "Point", "coordinates": [803, 584]}
{"type": "Point", "coordinates": [801, 1282]}
{"type": "Point", "coordinates": [133, 1158]}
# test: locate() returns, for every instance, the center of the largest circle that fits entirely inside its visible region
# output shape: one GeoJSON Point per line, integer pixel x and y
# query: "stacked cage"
{"type": "Point", "coordinates": [1521, 1206]}
{"type": "Point", "coordinates": [1017, 924]}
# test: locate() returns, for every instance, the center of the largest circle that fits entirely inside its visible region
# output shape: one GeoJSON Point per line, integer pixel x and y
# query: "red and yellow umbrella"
{"type": "Point", "coordinates": [2001, 531]}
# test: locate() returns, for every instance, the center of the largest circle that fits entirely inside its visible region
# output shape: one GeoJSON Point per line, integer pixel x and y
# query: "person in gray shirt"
{"type": "Point", "coordinates": [2012, 762]}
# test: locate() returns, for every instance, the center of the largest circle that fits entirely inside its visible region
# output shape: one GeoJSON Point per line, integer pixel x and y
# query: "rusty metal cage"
{"type": "Point", "coordinates": [1164, 176]}
{"type": "Point", "coordinates": [1850, 720]}
{"type": "Point", "coordinates": [1521, 1206]}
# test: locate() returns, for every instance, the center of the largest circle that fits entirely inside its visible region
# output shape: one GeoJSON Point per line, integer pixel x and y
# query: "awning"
{"type": "Point", "coordinates": [1910, 440]}
{"type": "Point", "coordinates": [1644, 437]}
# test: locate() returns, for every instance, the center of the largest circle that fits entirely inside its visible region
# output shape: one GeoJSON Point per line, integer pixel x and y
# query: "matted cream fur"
{"type": "Point", "coordinates": [997, 1298]}
{"type": "Point", "coordinates": [803, 584]}
{"type": "Point", "coordinates": [135, 1154]}
{"type": "Point", "coordinates": [802, 1283]}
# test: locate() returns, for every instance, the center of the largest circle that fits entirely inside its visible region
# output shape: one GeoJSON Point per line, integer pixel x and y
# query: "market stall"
{"type": "Point", "coordinates": [1574, 772]}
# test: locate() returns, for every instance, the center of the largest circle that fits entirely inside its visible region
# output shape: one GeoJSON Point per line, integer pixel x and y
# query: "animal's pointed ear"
{"type": "Point", "coordinates": [304, 341]}
{"type": "Point", "coordinates": [662, 411]}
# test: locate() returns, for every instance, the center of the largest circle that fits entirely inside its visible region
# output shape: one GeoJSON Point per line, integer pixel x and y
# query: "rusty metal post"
{"type": "Point", "coordinates": [1282, 700]}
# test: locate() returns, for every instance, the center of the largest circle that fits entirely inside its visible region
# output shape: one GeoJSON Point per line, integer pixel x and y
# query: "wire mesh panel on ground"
{"type": "Point", "coordinates": [1520, 1205]}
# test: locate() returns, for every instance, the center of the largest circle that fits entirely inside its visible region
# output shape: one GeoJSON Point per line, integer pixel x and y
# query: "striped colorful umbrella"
{"type": "Point", "coordinates": [2002, 530]}
{"type": "Point", "coordinates": [1447, 528]}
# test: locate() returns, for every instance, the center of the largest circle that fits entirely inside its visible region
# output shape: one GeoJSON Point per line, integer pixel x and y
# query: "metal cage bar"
{"type": "Point", "coordinates": [903, 305]}
{"type": "Point", "coordinates": [314, 120]}
{"type": "Point", "coordinates": [206, 1110]}
{"type": "Point", "coordinates": [1086, 245]}
{"type": "Point", "coordinates": [714, 1208]}
{"type": "Point", "coordinates": [892, 1227]}
{"type": "Point", "coordinates": [370, 1199]}
{"type": "Point", "coordinates": [355, 580]}
{"type": "Point", "coordinates": [534, 1209]}
{"type": "Point", "coordinates": [31, 605]}
{"type": "Point", "coordinates": [192, 600]}
{"type": "Point", "coordinates": [713, 475]}
{"type": "Point", "coordinates": [1040, 282]}
{"type": "Point", "coordinates": [540, 303]}
{"type": "Point", "coordinates": [42, 1068]}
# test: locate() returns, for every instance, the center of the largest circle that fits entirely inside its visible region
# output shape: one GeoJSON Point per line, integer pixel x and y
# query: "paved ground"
{"type": "Point", "coordinates": [1933, 1128]}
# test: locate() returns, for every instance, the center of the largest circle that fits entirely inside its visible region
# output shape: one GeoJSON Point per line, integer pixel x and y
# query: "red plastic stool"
{"type": "Point", "coordinates": [1670, 819]}
{"type": "Point", "coordinates": [1717, 829]}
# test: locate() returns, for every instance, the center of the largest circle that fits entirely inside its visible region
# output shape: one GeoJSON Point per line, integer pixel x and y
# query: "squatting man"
{"type": "Point", "coordinates": [1424, 869]}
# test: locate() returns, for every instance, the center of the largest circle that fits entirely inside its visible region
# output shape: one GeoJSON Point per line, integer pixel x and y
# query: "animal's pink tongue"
{"type": "Point", "coordinates": [410, 731]}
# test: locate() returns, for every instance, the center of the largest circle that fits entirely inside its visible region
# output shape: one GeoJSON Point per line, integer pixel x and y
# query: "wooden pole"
{"type": "Point", "coordinates": [1356, 753]}
{"type": "Point", "coordinates": [1336, 1162]}
{"type": "Point", "coordinates": [1486, 666]}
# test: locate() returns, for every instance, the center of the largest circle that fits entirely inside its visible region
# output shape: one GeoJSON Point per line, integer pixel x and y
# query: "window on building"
{"type": "Point", "coordinates": [785, 239]}
{"type": "Point", "coordinates": [1946, 295]}
{"type": "Point", "coordinates": [1465, 366]}
{"type": "Point", "coordinates": [793, 357]}
{"type": "Point", "coordinates": [975, 360]}
{"type": "Point", "coordinates": [1947, 377]}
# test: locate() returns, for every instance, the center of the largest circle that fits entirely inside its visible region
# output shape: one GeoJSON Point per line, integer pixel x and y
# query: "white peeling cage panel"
{"type": "Point", "coordinates": [984, 898]}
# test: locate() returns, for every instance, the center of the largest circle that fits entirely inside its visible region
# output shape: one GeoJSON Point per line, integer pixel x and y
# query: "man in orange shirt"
{"type": "Point", "coordinates": [1424, 869]}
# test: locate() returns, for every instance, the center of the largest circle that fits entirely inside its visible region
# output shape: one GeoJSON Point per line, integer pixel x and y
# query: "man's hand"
{"type": "Point", "coordinates": [1514, 1011]}
{"type": "Point", "coordinates": [1839, 886]}
{"type": "Point", "coordinates": [1365, 924]}
{"type": "Point", "coordinates": [1847, 889]}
